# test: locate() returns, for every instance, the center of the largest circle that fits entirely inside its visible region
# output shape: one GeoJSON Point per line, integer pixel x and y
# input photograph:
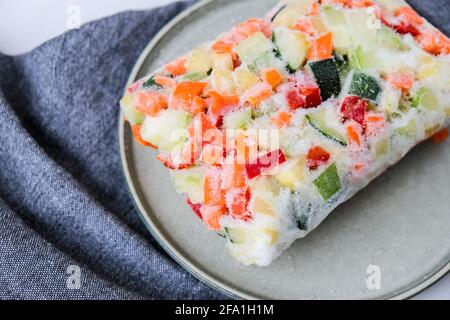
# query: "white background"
{"type": "Point", "coordinates": [24, 26]}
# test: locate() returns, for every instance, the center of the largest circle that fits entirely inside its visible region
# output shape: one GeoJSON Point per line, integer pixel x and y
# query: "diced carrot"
{"type": "Point", "coordinates": [305, 26]}
{"type": "Point", "coordinates": [151, 102]}
{"type": "Point", "coordinates": [401, 80]}
{"type": "Point", "coordinates": [245, 146]}
{"type": "Point", "coordinates": [212, 154]}
{"type": "Point", "coordinates": [184, 94]}
{"type": "Point", "coordinates": [248, 28]}
{"type": "Point", "coordinates": [198, 105]}
{"type": "Point", "coordinates": [353, 135]}
{"type": "Point", "coordinates": [212, 186]}
{"type": "Point", "coordinates": [136, 129]}
{"type": "Point", "coordinates": [434, 42]}
{"type": "Point", "coordinates": [221, 104]}
{"type": "Point", "coordinates": [234, 175]}
{"type": "Point", "coordinates": [176, 67]}
{"type": "Point", "coordinates": [237, 200]}
{"type": "Point", "coordinates": [408, 15]}
{"type": "Point", "coordinates": [375, 123]}
{"type": "Point", "coordinates": [165, 82]}
{"type": "Point", "coordinates": [282, 119]}
{"type": "Point", "coordinates": [211, 216]}
{"type": "Point", "coordinates": [273, 77]}
{"type": "Point", "coordinates": [222, 46]}
{"type": "Point", "coordinates": [359, 167]}
{"type": "Point", "coordinates": [204, 132]}
{"type": "Point", "coordinates": [241, 32]}
{"type": "Point", "coordinates": [322, 47]}
{"type": "Point", "coordinates": [440, 136]}
{"type": "Point", "coordinates": [314, 8]}
{"type": "Point", "coordinates": [257, 94]}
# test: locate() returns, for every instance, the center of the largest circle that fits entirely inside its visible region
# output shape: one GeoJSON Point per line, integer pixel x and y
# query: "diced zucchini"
{"type": "Point", "coordinates": [166, 130]}
{"type": "Point", "coordinates": [253, 47]}
{"type": "Point", "coordinates": [427, 99]}
{"type": "Point", "coordinates": [390, 100]}
{"type": "Point", "coordinates": [199, 61]}
{"type": "Point", "coordinates": [239, 119]}
{"type": "Point", "coordinates": [326, 124]}
{"type": "Point", "coordinates": [236, 236]}
{"type": "Point", "coordinates": [272, 19]}
{"type": "Point", "coordinates": [427, 68]}
{"type": "Point", "coordinates": [151, 83]}
{"type": "Point", "coordinates": [409, 131]}
{"type": "Point", "coordinates": [131, 114]}
{"type": "Point", "coordinates": [292, 46]}
{"type": "Point", "coordinates": [194, 76]}
{"type": "Point", "coordinates": [291, 174]}
{"type": "Point", "coordinates": [337, 22]}
{"type": "Point", "coordinates": [382, 147]}
{"type": "Point", "coordinates": [327, 76]}
{"type": "Point", "coordinates": [222, 81]}
{"type": "Point", "coordinates": [362, 59]}
{"type": "Point", "coordinates": [244, 79]}
{"type": "Point", "coordinates": [266, 60]}
{"type": "Point", "coordinates": [328, 183]}
{"type": "Point", "coordinates": [190, 182]}
{"type": "Point", "coordinates": [389, 39]}
{"type": "Point", "coordinates": [365, 86]}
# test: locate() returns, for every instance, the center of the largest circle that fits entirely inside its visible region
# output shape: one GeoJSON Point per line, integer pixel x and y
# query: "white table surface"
{"type": "Point", "coordinates": [24, 26]}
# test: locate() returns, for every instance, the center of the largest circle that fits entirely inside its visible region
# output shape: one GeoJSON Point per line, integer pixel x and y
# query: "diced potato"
{"type": "Point", "coordinates": [428, 68]}
{"type": "Point", "coordinates": [392, 5]}
{"type": "Point", "coordinates": [244, 79]}
{"type": "Point", "coordinates": [250, 49]}
{"type": "Point", "coordinates": [293, 11]}
{"type": "Point", "coordinates": [129, 111]}
{"type": "Point", "coordinates": [262, 206]}
{"type": "Point", "coordinates": [222, 81]}
{"type": "Point", "coordinates": [290, 175]}
{"type": "Point", "coordinates": [199, 61]}
{"type": "Point", "coordinates": [222, 61]}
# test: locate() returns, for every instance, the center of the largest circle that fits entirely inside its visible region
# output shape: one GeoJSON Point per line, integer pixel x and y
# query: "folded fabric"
{"type": "Point", "coordinates": [61, 174]}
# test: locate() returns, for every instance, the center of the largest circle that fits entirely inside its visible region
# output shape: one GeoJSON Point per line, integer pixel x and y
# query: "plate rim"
{"type": "Point", "coordinates": [175, 254]}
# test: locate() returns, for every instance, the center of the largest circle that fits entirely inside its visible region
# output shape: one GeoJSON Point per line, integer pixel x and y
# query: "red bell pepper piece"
{"type": "Point", "coordinates": [354, 108]}
{"type": "Point", "coordinates": [317, 157]}
{"type": "Point", "coordinates": [265, 162]}
{"type": "Point", "coordinates": [195, 207]}
{"type": "Point", "coordinates": [312, 96]}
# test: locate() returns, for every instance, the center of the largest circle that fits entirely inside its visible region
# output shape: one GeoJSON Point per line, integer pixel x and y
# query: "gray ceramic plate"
{"type": "Point", "coordinates": [400, 223]}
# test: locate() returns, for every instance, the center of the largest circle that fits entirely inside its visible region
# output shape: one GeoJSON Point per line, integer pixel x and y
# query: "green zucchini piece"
{"type": "Point", "coordinates": [328, 183]}
{"type": "Point", "coordinates": [292, 46]}
{"type": "Point", "coordinates": [365, 86]}
{"type": "Point", "coordinates": [278, 12]}
{"type": "Point", "coordinates": [236, 236]}
{"type": "Point", "coordinates": [318, 121]}
{"type": "Point", "coordinates": [151, 83]}
{"type": "Point", "coordinates": [327, 76]}
{"type": "Point", "coordinates": [194, 76]}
